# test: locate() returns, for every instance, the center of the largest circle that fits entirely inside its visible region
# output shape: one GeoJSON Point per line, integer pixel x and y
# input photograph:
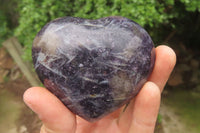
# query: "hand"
{"type": "Point", "coordinates": [139, 117]}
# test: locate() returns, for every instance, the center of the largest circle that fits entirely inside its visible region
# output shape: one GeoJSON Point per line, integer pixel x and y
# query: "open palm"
{"type": "Point", "coordinates": [139, 117]}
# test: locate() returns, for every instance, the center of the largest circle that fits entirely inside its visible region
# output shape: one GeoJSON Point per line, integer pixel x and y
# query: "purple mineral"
{"type": "Point", "coordinates": [93, 66]}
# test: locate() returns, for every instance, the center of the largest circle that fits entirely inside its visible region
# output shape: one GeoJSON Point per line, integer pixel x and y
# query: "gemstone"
{"type": "Point", "coordinates": [93, 66]}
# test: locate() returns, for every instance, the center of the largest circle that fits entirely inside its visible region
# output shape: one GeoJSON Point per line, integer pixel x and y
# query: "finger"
{"type": "Point", "coordinates": [146, 108]}
{"type": "Point", "coordinates": [125, 120]}
{"type": "Point", "coordinates": [164, 64]}
{"type": "Point", "coordinates": [54, 115]}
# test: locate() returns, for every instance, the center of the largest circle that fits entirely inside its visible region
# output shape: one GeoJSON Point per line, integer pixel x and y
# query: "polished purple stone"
{"type": "Point", "coordinates": [93, 66]}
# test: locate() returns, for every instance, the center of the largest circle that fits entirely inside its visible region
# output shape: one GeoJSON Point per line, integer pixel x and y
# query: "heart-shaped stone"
{"type": "Point", "coordinates": [93, 66]}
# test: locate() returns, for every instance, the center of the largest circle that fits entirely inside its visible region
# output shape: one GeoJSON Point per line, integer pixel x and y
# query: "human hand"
{"type": "Point", "coordinates": [139, 117]}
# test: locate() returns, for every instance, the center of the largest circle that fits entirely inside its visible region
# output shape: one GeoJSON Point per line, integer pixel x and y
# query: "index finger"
{"type": "Point", "coordinates": [165, 62]}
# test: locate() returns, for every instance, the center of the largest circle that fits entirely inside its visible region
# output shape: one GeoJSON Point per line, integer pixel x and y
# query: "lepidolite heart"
{"type": "Point", "coordinates": [93, 66]}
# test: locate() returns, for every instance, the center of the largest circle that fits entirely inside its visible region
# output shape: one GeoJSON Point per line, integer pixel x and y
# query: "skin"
{"type": "Point", "coordinates": [139, 117]}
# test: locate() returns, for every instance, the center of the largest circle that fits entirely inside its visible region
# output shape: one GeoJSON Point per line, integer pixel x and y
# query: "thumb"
{"type": "Point", "coordinates": [55, 116]}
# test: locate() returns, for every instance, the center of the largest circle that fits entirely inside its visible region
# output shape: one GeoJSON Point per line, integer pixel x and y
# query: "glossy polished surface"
{"type": "Point", "coordinates": [93, 66]}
